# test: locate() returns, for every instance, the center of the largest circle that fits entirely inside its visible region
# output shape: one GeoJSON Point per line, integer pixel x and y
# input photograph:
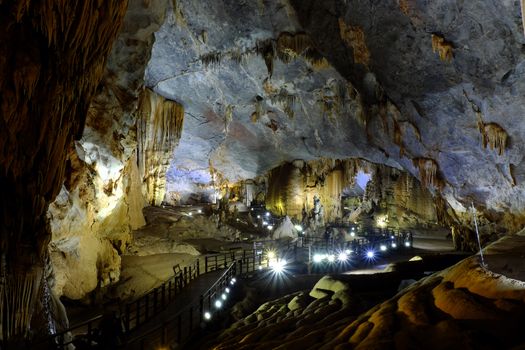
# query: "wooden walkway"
{"type": "Point", "coordinates": [176, 321]}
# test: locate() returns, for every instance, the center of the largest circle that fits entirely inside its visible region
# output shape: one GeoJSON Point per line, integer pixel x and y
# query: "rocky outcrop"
{"type": "Point", "coordinates": [466, 305]}
{"type": "Point", "coordinates": [53, 57]}
{"type": "Point", "coordinates": [410, 85]}
{"type": "Point", "coordinates": [101, 200]}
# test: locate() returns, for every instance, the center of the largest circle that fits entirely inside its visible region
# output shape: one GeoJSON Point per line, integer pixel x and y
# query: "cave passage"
{"type": "Point", "coordinates": [261, 174]}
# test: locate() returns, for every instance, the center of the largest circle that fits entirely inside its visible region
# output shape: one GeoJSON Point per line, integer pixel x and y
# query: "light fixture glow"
{"type": "Point", "coordinates": [394, 245]}
{"type": "Point", "coordinates": [223, 296]}
{"type": "Point", "coordinates": [267, 213]}
{"type": "Point", "coordinates": [218, 304]}
{"type": "Point", "coordinates": [331, 258]}
{"type": "Point", "coordinates": [407, 244]}
{"type": "Point", "coordinates": [260, 267]}
{"type": "Point", "coordinates": [190, 213]}
{"type": "Point", "coordinates": [278, 266]}
{"type": "Point", "coordinates": [348, 252]}
{"type": "Point", "coordinates": [383, 248]}
{"type": "Point", "coordinates": [270, 227]}
{"type": "Point", "coordinates": [227, 290]}
{"type": "Point", "coordinates": [370, 254]}
{"type": "Point", "coordinates": [258, 216]}
{"type": "Point", "coordinates": [342, 257]}
{"type": "Point", "coordinates": [199, 211]}
{"type": "Point", "coordinates": [265, 223]}
{"type": "Point", "coordinates": [318, 258]}
{"type": "Point", "coordinates": [207, 315]}
{"type": "Point", "coordinates": [352, 234]}
{"type": "Point", "coordinates": [298, 228]}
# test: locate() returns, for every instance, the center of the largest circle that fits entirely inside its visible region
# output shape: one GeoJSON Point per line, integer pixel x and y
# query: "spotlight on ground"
{"type": "Point", "coordinates": [218, 304]}
{"type": "Point", "coordinates": [207, 316]}
{"type": "Point", "coordinates": [383, 248]}
{"type": "Point", "coordinates": [370, 254]}
{"type": "Point", "coordinates": [342, 257]}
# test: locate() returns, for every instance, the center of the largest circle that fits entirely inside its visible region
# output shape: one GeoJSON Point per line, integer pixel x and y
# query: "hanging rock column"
{"type": "Point", "coordinates": [52, 56]}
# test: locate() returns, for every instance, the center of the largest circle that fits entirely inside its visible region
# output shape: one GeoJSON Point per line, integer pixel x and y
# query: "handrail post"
{"type": "Point", "coordinates": [155, 297]}
{"type": "Point", "coordinates": [137, 320]}
{"type": "Point", "coordinates": [184, 276]}
{"type": "Point", "coordinates": [201, 308]}
{"type": "Point", "coordinates": [163, 294]}
{"type": "Point", "coordinates": [205, 264]}
{"type": "Point", "coordinates": [198, 268]}
{"type": "Point", "coordinates": [126, 323]}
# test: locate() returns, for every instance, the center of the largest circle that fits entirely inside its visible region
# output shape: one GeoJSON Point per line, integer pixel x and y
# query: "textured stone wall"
{"type": "Point", "coordinates": [101, 200]}
{"type": "Point", "coordinates": [52, 58]}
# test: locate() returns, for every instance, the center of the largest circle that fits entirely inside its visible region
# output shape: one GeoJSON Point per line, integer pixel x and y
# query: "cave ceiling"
{"type": "Point", "coordinates": [404, 81]}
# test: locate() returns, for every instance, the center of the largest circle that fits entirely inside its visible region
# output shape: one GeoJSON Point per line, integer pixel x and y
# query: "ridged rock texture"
{"type": "Point", "coordinates": [102, 198]}
{"type": "Point", "coordinates": [264, 83]}
{"type": "Point", "coordinates": [52, 58]}
{"type": "Point", "coordinates": [391, 193]}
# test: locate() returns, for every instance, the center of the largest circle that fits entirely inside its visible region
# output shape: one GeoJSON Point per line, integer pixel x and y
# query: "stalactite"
{"type": "Point", "coordinates": [354, 37]}
{"type": "Point", "coordinates": [266, 48]}
{"type": "Point", "coordinates": [442, 47]}
{"type": "Point", "coordinates": [398, 138]}
{"type": "Point", "coordinates": [212, 59]}
{"type": "Point", "coordinates": [522, 5]}
{"type": "Point", "coordinates": [494, 136]}
{"type": "Point", "coordinates": [158, 133]}
{"type": "Point", "coordinates": [428, 172]}
{"type": "Point", "coordinates": [54, 57]}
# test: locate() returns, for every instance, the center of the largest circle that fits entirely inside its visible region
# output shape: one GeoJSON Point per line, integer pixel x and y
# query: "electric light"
{"type": "Point", "coordinates": [298, 228]}
{"type": "Point", "coordinates": [223, 296]}
{"type": "Point", "coordinates": [318, 258]}
{"type": "Point", "coordinates": [342, 257]}
{"type": "Point", "coordinates": [352, 234]}
{"type": "Point", "coordinates": [199, 211]}
{"type": "Point", "coordinates": [260, 267]}
{"type": "Point", "coordinates": [265, 223]}
{"type": "Point", "coordinates": [218, 304]}
{"type": "Point", "coordinates": [407, 244]}
{"type": "Point", "coordinates": [278, 266]}
{"type": "Point", "coordinates": [331, 258]}
{"type": "Point", "coordinates": [190, 213]}
{"type": "Point", "coordinates": [267, 213]}
{"type": "Point", "coordinates": [234, 280]}
{"type": "Point", "coordinates": [258, 216]}
{"type": "Point", "coordinates": [270, 227]}
{"type": "Point", "coordinates": [370, 254]}
{"type": "Point", "coordinates": [227, 290]}
{"type": "Point", "coordinates": [207, 316]}
{"type": "Point", "coordinates": [348, 252]}
{"type": "Point", "coordinates": [383, 247]}
{"type": "Point", "coordinates": [271, 254]}
{"type": "Point", "coordinates": [394, 245]}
